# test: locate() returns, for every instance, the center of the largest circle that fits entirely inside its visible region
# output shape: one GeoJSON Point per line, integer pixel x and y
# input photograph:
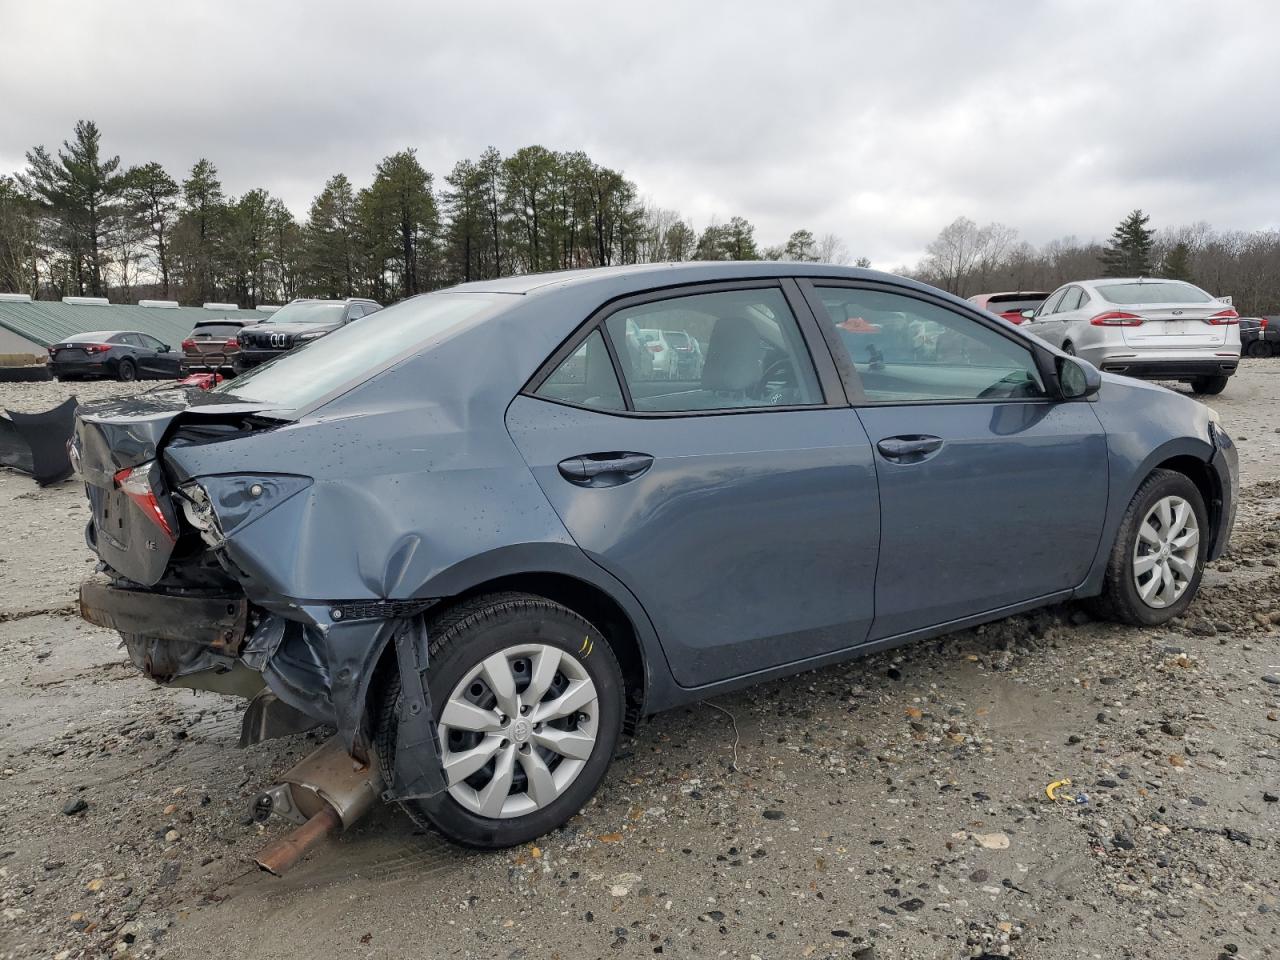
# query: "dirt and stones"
{"type": "Point", "coordinates": [890, 807]}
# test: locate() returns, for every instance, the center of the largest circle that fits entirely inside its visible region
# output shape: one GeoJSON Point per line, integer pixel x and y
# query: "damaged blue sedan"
{"type": "Point", "coordinates": [484, 537]}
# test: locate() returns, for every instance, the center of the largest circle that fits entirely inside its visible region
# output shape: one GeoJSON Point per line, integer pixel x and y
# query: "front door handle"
{"type": "Point", "coordinates": [909, 449]}
{"type": "Point", "coordinates": [604, 469]}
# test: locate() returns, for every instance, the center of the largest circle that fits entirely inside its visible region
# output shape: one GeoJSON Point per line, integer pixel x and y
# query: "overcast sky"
{"type": "Point", "coordinates": [880, 122]}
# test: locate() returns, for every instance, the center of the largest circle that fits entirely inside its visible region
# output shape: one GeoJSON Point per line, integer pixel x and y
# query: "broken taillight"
{"type": "Point", "coordinates": [135, 483]}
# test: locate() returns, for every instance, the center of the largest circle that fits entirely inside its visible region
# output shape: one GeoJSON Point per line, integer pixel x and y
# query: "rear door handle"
{"type": "Point", "coordinates": [604, 469]}
{"type": "Point", "coordinates": [909, 449]}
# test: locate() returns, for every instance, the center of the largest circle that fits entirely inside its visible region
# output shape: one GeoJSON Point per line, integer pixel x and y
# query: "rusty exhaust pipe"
{"type": "Point", "coordinates": [283, 854]}
{"type": "Point", "coordinates": [328, 789]}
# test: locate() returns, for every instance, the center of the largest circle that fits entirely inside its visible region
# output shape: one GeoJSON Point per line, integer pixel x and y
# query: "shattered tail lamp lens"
{"type": "Point", "coordinates": [135, 483]}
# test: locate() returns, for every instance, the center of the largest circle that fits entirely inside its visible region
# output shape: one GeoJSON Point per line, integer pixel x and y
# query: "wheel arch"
{"type": "Point", "coordinates": [562, 575]}
{"type": "Point", "coordinates": [1186, 455]}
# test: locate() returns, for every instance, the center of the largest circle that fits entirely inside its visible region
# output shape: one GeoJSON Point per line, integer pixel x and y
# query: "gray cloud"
{"type": "Point", "coordinates": [878, 122]}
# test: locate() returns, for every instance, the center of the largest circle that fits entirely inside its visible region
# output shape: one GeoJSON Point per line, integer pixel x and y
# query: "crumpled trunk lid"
{"type": "Point", "coordinates": [118, 435]}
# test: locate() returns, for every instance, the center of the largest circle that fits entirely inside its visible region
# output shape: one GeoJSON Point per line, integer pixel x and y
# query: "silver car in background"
{"type": "Point", "coordinates": [1146, 328]}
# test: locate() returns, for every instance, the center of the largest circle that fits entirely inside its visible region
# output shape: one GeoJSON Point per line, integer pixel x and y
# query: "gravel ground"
{"type": "Point", "coordinates": [890, 807]}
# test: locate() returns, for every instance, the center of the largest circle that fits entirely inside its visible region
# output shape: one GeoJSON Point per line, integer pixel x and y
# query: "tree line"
{"type": "Point", "coordinates": [967, 259]}
{"type": "Point", "coordinates": [78, 222]}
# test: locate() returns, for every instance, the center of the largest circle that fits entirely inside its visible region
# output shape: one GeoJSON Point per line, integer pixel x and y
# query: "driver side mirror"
{"type": "Point", "coordinates": [1028, 314]}
{"type": "Point", "coordinates": [1077, 379]}
{"type": "Point", "coordinates": [164, 348]}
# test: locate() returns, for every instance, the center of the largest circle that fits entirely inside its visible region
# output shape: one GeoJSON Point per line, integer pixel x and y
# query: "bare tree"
{"type": "Point", "coordinates": [831, 249]}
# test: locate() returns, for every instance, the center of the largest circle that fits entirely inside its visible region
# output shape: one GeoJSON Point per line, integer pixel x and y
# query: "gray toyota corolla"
{"type": "Point", "coordinates": [482, 536]}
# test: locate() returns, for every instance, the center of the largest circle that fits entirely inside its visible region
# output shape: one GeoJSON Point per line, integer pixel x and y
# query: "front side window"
{"type": "Point", "coordinates": [1051, 304]}
{"type": "Point", "coordinates": [585, 378]}
{"type": "Point", "coordinates": [727, 350]}
{"type": "Point", "coordinates": [908, 350]}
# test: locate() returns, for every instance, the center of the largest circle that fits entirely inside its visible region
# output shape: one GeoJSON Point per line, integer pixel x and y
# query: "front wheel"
{"type": "Point", "coordinates": [528, 698]}
{"type": "Point", "coordinates": [1158, 557]}
{"type": "Point", "coordinates": [1209, 385]}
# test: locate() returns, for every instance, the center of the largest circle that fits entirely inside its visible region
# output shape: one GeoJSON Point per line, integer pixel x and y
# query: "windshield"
{"type": "Point", "coordinates": [309, 312]}
{"type": "Point", "coordinates": [355, 352]}
{"type": "Point", "coordinates": [1162, 291]}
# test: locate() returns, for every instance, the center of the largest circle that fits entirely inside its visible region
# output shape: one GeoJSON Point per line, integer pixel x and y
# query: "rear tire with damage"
{"type": "Point", "coordinates": [504, 669]}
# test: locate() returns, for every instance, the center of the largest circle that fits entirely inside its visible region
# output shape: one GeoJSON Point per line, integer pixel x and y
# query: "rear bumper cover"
{"type": "Point", "coordinates": [1154, 369]}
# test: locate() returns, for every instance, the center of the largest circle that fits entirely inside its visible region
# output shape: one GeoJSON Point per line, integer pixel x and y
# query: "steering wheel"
{"type": "Point", "coordinates": [778, 384]}
{"type": "Point", "coordinates": [1011, 385]}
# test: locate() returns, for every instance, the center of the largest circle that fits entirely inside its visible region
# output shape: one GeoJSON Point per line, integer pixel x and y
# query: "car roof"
{"type": "Point", "coordinates": [647, 275]}
{"type": "Point", "coordinates": [96, 334]}
{"type": "Point", "coordinates": [1110, 280]}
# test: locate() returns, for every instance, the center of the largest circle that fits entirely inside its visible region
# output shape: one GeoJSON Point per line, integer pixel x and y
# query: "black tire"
{"type": "Point", "coordinates": [1120, 600]}
{"type": "Point", "coordinates": [127, 371]}
{"type": "Point", "coordinates": [1209, 386]}
{"type": "Point", "coordinates": [1069, 349]}
{"type": "Point", "coordinates": [461, 638]}
{"type": "Point", "coordinates": [1259, 348]}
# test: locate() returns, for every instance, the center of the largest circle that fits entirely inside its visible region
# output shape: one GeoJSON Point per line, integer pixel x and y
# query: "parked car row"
{"type": "Point", "coordinates": [223, 346]}
{"type": "Point", "coordinates": [1141, 327]}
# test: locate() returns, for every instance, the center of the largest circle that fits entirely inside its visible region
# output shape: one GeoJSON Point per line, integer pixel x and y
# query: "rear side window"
{"type": "Point", "coordinates": [907, 350]}
{"type": "Point", "coordinates": [1070, 300]}
{"type": "Point", "coordinates": [727, 350]}
{"type": "Point", "coordinates": [585, 378]}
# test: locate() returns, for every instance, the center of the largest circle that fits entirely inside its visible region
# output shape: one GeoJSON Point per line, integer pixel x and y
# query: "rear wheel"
{"type": "Point", "coordinates": [1158, 557]}
{"type": "Point", "coordinates": [528, 698]}
{"type": "Point", "coordinates": [1259, 348]}
{"type": "Point", "coordinates": [127, 371]}
{"type": "Point", "coordinates": [1209, 385]}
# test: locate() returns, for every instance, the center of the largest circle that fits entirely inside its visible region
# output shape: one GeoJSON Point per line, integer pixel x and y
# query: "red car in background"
{"type": "Point", "coordinates": [1010, 305]}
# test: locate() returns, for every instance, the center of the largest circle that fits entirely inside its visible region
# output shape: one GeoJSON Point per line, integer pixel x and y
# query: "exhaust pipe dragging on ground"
{"type": "Point", "coordinates": [327, 789]}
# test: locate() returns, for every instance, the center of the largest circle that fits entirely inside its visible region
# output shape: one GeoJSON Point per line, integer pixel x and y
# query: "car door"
{"type": "Point", "coordinates": [1068, 314]}
{"type": "Point", "coordinates": [739, 506]}
{"type": "Point", "coordinates": [1045, 324]}
{"type": "Point", "coordinates": [160, 360]}
{"type": "Point", "coordinates": [991, 493]}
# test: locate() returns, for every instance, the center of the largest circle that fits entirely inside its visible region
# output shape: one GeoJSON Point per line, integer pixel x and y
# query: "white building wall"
{"type": "Point", "coordinates": [11, 343]}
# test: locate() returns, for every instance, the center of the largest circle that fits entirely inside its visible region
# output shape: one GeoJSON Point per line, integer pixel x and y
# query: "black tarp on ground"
{"type": "Point", "coordinates": [36, 443]}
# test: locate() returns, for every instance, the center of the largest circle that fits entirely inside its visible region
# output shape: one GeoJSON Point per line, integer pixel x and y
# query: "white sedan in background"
{"type": "Point", "coordinates": [1151, 329]}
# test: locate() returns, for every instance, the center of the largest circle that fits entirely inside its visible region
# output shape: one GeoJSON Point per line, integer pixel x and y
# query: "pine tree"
{"type": "Point", "coordinates": [1177, 262]}
{"type": "Point", "coordinates": [331, 240]}
{"type": "Point", "coordinates": [203, 219]}
{"type": "Point", "coordinates": [153, 195]}
{"type": "Point", "coordinates": [80, 194]}
{"type": "Point", "coordinates": [1129, 252]}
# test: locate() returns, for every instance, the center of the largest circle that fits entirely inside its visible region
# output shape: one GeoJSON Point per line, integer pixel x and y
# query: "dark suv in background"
{"type": "Point", "coordinates": [301, 321]}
